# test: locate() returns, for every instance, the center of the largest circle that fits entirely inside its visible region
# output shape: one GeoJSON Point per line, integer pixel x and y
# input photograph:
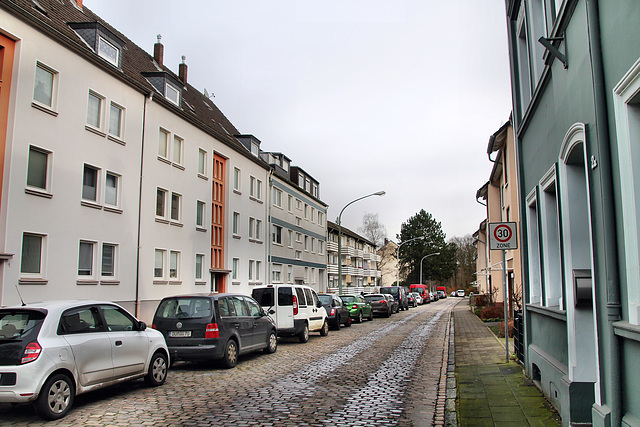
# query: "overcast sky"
{"type": "Point", "coordinates": [364, 95]}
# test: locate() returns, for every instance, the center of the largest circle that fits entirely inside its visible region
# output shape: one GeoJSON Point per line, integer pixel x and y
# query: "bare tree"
{"type": "Point", "coordinates": [372, 229]}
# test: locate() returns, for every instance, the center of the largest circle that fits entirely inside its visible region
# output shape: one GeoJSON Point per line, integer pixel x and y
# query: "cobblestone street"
{"type": "Point", "coordinates": [385, 372]}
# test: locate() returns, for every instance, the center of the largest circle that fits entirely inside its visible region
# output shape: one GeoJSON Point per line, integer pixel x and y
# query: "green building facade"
{"type": "Point", "coordinates": [575, 73]}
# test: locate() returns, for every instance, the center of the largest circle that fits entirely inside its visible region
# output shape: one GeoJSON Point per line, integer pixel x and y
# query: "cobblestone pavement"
{"type": "Point", "coordinates": [387, 372]}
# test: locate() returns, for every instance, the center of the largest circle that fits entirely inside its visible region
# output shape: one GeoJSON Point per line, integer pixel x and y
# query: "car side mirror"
{"type": "Point", "coordinates": [319, 304]}
{"type": "Point", "coordinates": [142, 326]}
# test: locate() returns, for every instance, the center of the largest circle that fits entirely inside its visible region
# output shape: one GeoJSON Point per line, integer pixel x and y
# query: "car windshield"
{"type": "Point", "coordinates": [348, 298]}
{"type": "Point", "coordinates": [186, 307]}
{"type": "Point", "coordinates": [391, 290]}
{"type": "Point", "coordinates": [374, 298]}
{"type": "Point", "coordinates": [325, 299]}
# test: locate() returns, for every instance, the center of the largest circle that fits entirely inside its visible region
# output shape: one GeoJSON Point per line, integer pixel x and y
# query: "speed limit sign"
{"type": "Point", "coordinates": [502, 235]}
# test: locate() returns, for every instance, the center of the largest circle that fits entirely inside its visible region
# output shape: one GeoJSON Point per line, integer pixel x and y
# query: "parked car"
{"type": "Point", "coordinates": [453, 294]}
{"type": "Point", "coordinates": [433, 296]}
{"type": "Point", "coordinates": [417, 297]}
{"type": "Point", "coordinates": [395, 308]}
{"type": "Point", "coordinates": [297, 310]}
{"type": "Point", "coordinates": [460, 293]}
{"type": "Point", "coordinates": [399, 294]}
{"type": "Point", "coordinates": [412, 300]}
{"type": "Point", "coordinates": [423, 290]}
{"type": "Point", "coordinates": [359, 307]}
{"type": "Point", "coordinates": [214, 327]}
{"type": "Point", "coordinates": [52, 351]}
{"type": "Point", "coordinates": [442, 291]}
{"type": "Point", "coordinates": [337, 311]}
{"type": "Point", "coordinates": [441, 294]}
{"type": "Point", "coordinates": [380, 304]}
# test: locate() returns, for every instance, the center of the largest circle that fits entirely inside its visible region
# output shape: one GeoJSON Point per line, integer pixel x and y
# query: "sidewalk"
{"type": "Point", "coordinates": [491, 392]}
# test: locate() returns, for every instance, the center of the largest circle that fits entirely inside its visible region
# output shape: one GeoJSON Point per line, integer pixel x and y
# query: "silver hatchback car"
{"type": "Point", "coordinates": [52, 351]}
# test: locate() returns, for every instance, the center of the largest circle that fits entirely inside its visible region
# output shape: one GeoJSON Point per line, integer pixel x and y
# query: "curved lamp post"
{"type": "Point", "coordinates": [378, 193]}
{"type": "Point", "coordinates": [426, 256]}
{"type": "Point", "coordinates": [398, 257]}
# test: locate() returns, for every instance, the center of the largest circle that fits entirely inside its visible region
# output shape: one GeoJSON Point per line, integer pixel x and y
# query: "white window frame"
{"type": "Point", "coordinates": [276, 273]}
{"type": "Point", "coordinates": [627, 121]}
{"type": "Point", "coordinates": [199, 273]}
{"type": "Point", "coordinates": [252, 227]}
{"type": "Point", "coordinates": [92, 267]}
{"type": "Point", "coordinates": [251, 264]}
{"type": "Point", "coordinates": [96, 116]}
{"type": "Point", "coordinates": [97, 189]}
{"type": "Point", "coordinates": [202, 163]}
{"type": "Point", "coordinates": [164, 136]}
{"type": "Point", "coordinates": [169, 90]}
{"type": "Point", "coordinates": [277, 197]}
{"type": "Point", "coordinates": [114, 261]}
{"type": "Point", "coordinates": [553, 280]}
{"type": "Point", "coordinates": [46, 190]}
{"type": "Point", "coordinates": [174, 264]}
{"type": "Point", "coordinates": [49, 105]}
{"type": "Point", "coordinates": [276, 234]}
{"type": "Point", "coordinates": [237, 176]}
{"type": "Point", "coordinates": [40, 274]}
{"type": "Point", "coordinates": [165, 205]}
{"type": "Point", "coordinates": [119, 132]}
{"type": "Point", "coordinates": [175, 209]}
{"type": "Point", "coordinates": [179, 152]}
{"type": "Point", "coordinates": [118, 179]}
{"type": "Point", "coordinates": [235, 263]}
{"type": "Point", "coordinates": [235, 223]}
{"type": "Point", "coordinates": [201, 210]}
{"type": "Point", "coordinates": [163, 263]}
{"type": "Point", "coordinates": [105, 55]}
{"type": "Point", "coordinates": [533, 249]}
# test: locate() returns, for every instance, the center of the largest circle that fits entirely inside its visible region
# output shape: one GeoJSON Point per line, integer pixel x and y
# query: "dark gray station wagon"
{"type": "Point", "coordinates": [214, 327]}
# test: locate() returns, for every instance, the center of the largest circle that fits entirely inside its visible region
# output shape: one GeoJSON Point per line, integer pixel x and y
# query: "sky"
{"type": "Point", "coordinates": [398, 96]}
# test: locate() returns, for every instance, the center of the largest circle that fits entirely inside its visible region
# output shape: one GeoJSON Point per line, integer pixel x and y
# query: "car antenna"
{"type": "Point", "coordinates": [21, 300]}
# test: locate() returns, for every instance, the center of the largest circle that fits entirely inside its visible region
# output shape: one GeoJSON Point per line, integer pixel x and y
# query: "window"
{"type": "Point", "coordinates": [175, 206]}
{"type": "Point", "coordinates": [255, 189]}
{"type": "Point", "coordinates": [251, 264]}
{"type": "Point", "coordinates": [320, 219]}
{"type": "Point", "coordinates": [172, 94]}
{"type": "Point", "coordinates": [306, 211]}
{"type": "Point", "coordinates": [276, 234]}
{"type": "Point", "coordinates": [313, 214]}
{"type": "Point", "coordinates": [276, 273]}
{"type": "Point", "coordinates": [258, 269]}
{"type": "Point", "coordinates": [236, 219]}
{"type": "Point", "coordinates": [306, 243]}
{"type": "Point", "coordinates": [290, 240]}
{"type": "Point", "coordinates": [298, 254]}
{"type": "Point", "coordinates": [552, 280]}
{"type": "Point", "coordinates": [174, 265]}
{"type": "Point", "coordinates": [116, 114]}
{"type": "Point", "coordinates": [236, 179]}
{"type": "Point", "coordinates": [313, 244]}
{"type": "Point", "coordinates": [161, 199]}
{"type": "Point", "coordinates": [199, 266]}
{"type": "Point", "coordinates": [289, 273]}
{"type": "Point", "coordinates": [108, 260]}
{"type": "Point", "coordinates": [299, 237]}
{"type": "Point", "coordinates": [38, 168]}
{"type": "Point", "coordinates": [202, 162]}
{"type": "Point", "coordinates": [277, 197]}
{"type": "Point", "coordinates": [299, 221]}
{"type": "Point", "coordinates": [258, 229]}
{"type": "Point", "coordinates": [252, 187]}
{"type": "Point", "coordinates": [320, 247]}
{"type": "Point", "coordinates": [94, 110]}
{"type": "Point", "coordinates": [111, 189]}
{"type": "Point", "coordinates": [44, 87]}
{"type": "Point", "coordinates": [290, 204]}
{"type": "Point", "coordinates": [524, 68]}
{"type": "Point", "coordinates": [158, 269]}
{"type": "Point", "coordinates": [177, 150]}
{"type": "Point", "coordinates": [298, 204]}
{"type": "Point", "coordinates": [90, 183]}
{"type": "Point", "coordinates": [109, 52]}
{"type": "Point", "coordinates": [31, 261]}
{"type": "Point", "coordinates": [234, 268]}
{"type": "Point", "coordinates": [252, 225]}
{"type": "Point", "coordinates": [200, 214]}
{"type": "Point", "coordinates": [85, 259]}
{"type": "Point", "coordinates": [163, 144]}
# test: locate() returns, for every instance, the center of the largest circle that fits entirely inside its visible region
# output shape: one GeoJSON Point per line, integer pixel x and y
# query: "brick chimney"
{"type": "Point", "coordinates": [182, 71]}
{"type": "Point", "coordinates": [158, 50]}
{"type": "Point", "coordinates": [77, 3]}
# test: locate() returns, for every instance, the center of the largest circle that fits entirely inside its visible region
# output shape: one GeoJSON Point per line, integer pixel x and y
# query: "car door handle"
{"type": "Point", "coordinates": [236, 324]}
{"type": "Point", "coordinates": [118, 343]}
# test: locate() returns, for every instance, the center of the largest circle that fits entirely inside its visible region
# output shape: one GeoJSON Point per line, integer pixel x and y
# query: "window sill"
{"type": "Point", "coordinates": [176, 224]}
{"type": "Point", "coordinates": [178, 166]}
{"type": "Point", "coordinates": [200, 283]}
{"type": "Point", "coordinates": [627, 330]}
{"type": "Point", "coordinates": [160, 282]}
{"type": "Point", "coordinates": [112, 210]}
{"type": "Point", "coordinates": [95, 130]}
{"type": "Point", "coordinates": [255, 200]}
{"type": "Point", "coordinates": [201, 229]}
{"type": "Point", "coordinates": [206, 178]}
{"type": "Point", "coordinates": [162, 220]}
{"type": "Point", "coordinates": [44, 109]}
{"type": "Point", "coordinates": [236, 236]}
{"type": "Point", "coordinates": [164, 160]}
{"type": "Point", "coordinates": [548, 311]}
{"type": "Point", "coordinates": [39, 193]}
{"type": "Point", "coordinates": [109, 282]}
{"type": "Point", "coordinates": [32, 281]}
{"type": "Point", "coordinates": [235, 283]}
{"type": "Point", "coordinates": [256, 241]}
{"type": "Point", "coordinates": [116, 140]}
{"type": "Point", "coordinates": [238, 192]}
{"type": "Point", "coordinates": [86, 282]}
{"type": "Point", "coordinates": [255, 283]}
{"type": "Point", "coordinates": [175, 282]}
{"type": "Point", "coordinates": [89, 204]}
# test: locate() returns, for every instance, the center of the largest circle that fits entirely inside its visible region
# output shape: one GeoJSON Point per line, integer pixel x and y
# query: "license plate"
{"type": "Point", "coordinates": [179, 334]}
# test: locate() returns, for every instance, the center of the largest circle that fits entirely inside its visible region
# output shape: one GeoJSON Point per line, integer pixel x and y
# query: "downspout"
{"type": "Point", "coordinates": [147, 98]}
{"type": "Point", "coordinates": [269, 228]}
{"type": "Point", "coordinates": [601, 147]}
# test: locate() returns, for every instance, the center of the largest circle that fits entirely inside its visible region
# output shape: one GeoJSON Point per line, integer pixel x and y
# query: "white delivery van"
{"type": "Point", "coordinates": [296, 309]}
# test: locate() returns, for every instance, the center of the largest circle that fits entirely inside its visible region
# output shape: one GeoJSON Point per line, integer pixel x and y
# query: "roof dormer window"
{"type": "Point", "coordinates": [172, 94]}
{"type": "Point", "coordinates": [255, 149]}
{"type": "Point", "coordinates": [108, 51]}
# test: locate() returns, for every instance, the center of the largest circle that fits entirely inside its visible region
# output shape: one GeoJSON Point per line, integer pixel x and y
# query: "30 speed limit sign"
{"type": "Point", "coordinates": [503, 235]}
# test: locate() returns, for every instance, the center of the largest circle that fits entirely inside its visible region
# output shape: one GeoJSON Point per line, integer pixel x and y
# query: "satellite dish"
{"type": "Point", "coordinates": [207, 94]}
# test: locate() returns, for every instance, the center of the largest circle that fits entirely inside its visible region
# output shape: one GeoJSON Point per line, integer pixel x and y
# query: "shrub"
{"type": "Point", "coordinates": [511, 329]}
{"type": "Point", "coordinates": [481, 300]}
{"type": "Point", "coordinates": [495, 311]}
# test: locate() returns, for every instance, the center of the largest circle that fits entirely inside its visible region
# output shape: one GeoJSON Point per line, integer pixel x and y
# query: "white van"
{"type": "Point", "coordinates": [297, 310]}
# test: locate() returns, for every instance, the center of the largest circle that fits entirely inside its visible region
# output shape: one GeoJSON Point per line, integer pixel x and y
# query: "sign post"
{"type": "Point", "coordinates": [503, 236]}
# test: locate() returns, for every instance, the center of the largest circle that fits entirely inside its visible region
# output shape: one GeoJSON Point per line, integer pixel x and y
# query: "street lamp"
{"type": "Point", "coordinates": [426, 256]}
{"type": "Point", "coordinates": [398, 257]}
{"type": "Point", "coordinates": [379, 193]}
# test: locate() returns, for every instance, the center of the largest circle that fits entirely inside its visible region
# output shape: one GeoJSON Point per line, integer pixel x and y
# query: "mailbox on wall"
{"type": "Point", "coordinates": [582, 288]}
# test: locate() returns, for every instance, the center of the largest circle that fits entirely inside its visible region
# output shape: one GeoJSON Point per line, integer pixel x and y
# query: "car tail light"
{"type": "Point", "coordinates": [31, 352]}
{"type": "Point", "coordinates": [212, 331]}
{"type": "Point", "coordinates": [384, 301]}
{"type": "Point", "coordinates": [333, 312]}
{"type": "Point", "coordinates": [295, 305]}
{"type": "Point", "coordinates": [153, 327]}
{"type": "Point", "coordinates": [354, 306]}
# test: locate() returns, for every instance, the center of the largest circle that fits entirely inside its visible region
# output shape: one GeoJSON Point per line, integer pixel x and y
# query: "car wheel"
{"type": "Point", "coordinates": [272, 343]}
{"type": "Point", "coordinates": [157, 373]}
{"type": "Point", "coordinates": [389, 312]}
{"type": "Point", "coordinates": [370, 315]}
{"type": "Point", "coordinates": [230, 358]}
{"type": "Point", "coordinates": [338, 324]}
{"type": "Point", "coordinates": [359, 318]}
{"type": "Point", "coordinates": [325, 329]}
{"type": "Point", "coordinates": [348, 322]}
{"type": "Point", "coordinates": [56, 397]}
{"type": "Point", "coordinates": [304, 335]}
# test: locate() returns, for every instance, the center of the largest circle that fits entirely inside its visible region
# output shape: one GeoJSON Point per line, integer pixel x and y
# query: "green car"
{"type": "Point", "coordinates": [358, 307]}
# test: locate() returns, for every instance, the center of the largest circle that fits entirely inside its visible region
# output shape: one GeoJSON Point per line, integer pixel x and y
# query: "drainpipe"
{"type": "Point", "coordinates": [267, 232]}
{"type": "Point", "coordinates": [147, 98]}
{"type": "Point", "coordinates": [601, 147]}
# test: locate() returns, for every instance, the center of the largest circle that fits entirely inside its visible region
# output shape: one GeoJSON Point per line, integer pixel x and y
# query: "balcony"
{"type": "Point", "coordinates": [332, 246]}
